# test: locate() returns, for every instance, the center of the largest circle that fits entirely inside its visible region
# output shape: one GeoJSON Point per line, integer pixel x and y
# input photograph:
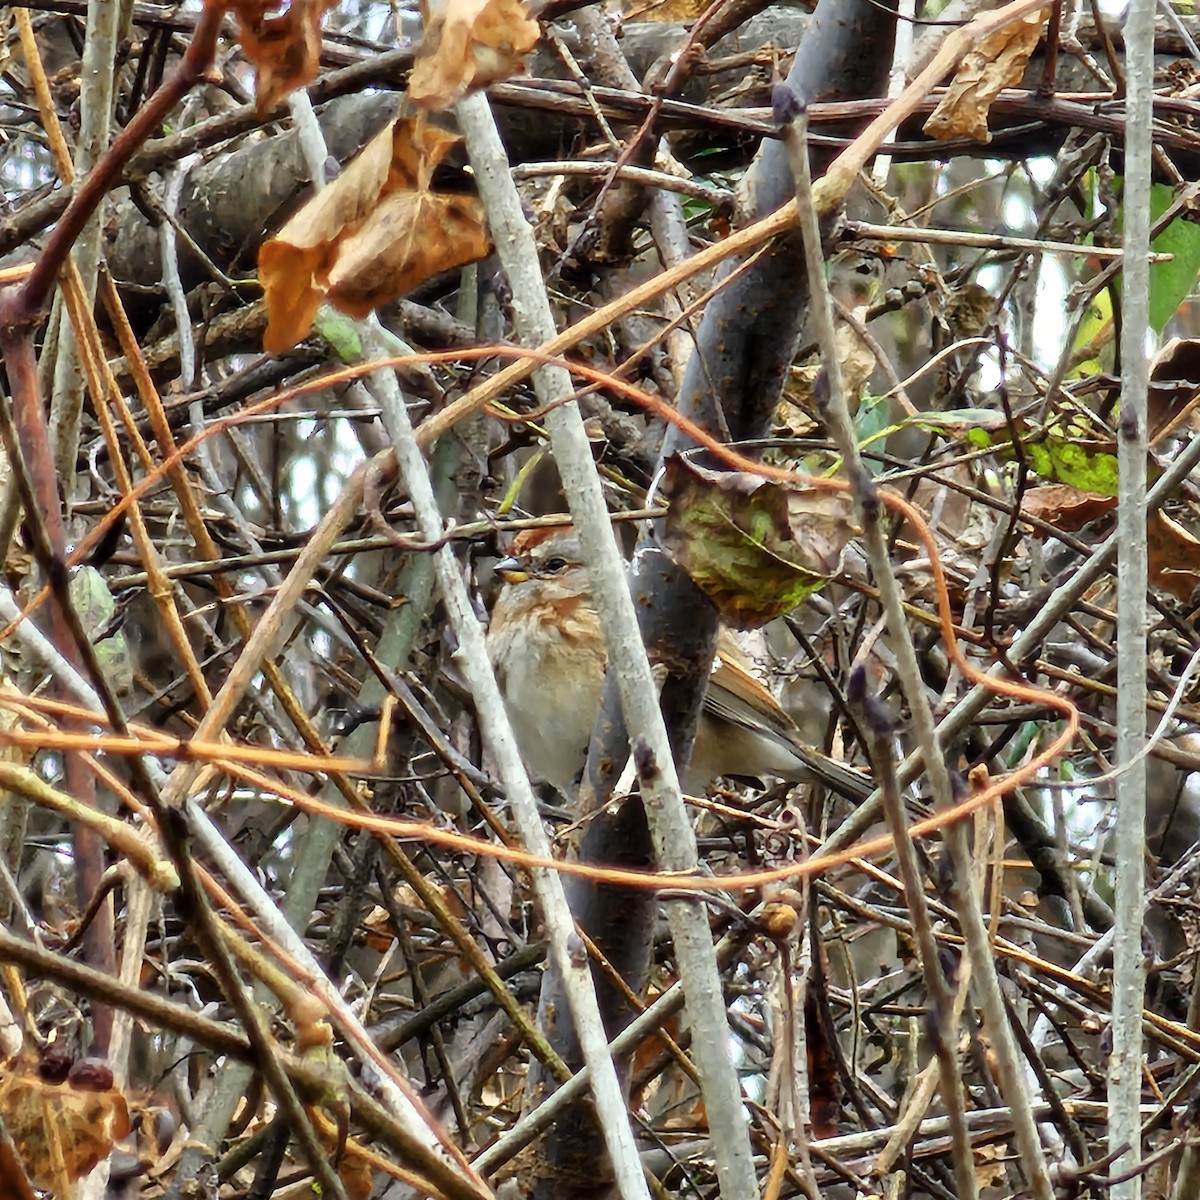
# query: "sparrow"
{"type": "Point", "coordinates": [548, 653]}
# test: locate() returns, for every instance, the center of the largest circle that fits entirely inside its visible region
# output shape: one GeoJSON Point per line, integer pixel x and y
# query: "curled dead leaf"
{"type": "Point", "coordinates": [61, 1127]}
{"type": "Point", "coordinates": [990, 1168]}
{"type": "Point", "coordinates": [285, 47]}
{"type": "Point", "coordinates": [996, 63]}
{"type": "Point", "coordinates": [797, 409]}
{"type": "Point", "coordinates": [1173, 556]}
{"type": "Point", "coordinates": [1174, 387]}
{"type": "Point", "coordinates": [467, 45]}
{"type": "Point", "coordinates": [373, 234]}
{"type": "Point", "coordinates": [1066, 508]}
{"type": "Point", "coordinates": [755, 547]}
{"type": "Point", "coordinates": [409, 238]}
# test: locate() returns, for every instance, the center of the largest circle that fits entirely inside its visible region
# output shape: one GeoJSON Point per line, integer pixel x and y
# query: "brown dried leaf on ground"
{"type": "Point", "coordinates": [990, 1166]}
{"type": "Point", "coordinates": [375, 233]}
{"type": "Point", "coordinates": [996, 63]}
{"type": "Point", "coordinates": [467, 45]}
{"type": "Point", "coordinates": [285, 48]}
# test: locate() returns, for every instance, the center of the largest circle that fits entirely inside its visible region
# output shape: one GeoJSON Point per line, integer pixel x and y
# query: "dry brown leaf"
{"type": "Point", "coordinates": [356, 1175]}
{"type": "Point", "coordinates": [1174, 556]}
{"type": "Point", "coordinates": [990, 1170]}
{"type": "Point", "coordinates": [1066, 508]}
{"type": "Point", "coordinates": [351, 1161]}
{"type": "Point", "coordinates": [467, 45]}
{"type": "Point", "coordinates": [284, 48]}
{"type": "Point", "coordinates": [61, 1129]}
{"type": "Point", "coordinates": [996, 63]}
{"type": "Point", "coordinates": [825, 1091]}
{"type": "Point", "coordinates": [375, 233]}
{"type": "Point", "coordinates": [798, 410]}
{"type": "Point", "coordinates": [756, 548]}
{"type": "Point", "coordinates": [667, 12]}
{"type": "Point", "coordinates": [1174, 387]}
{"type": "Point", "coordinates": [410, 237]}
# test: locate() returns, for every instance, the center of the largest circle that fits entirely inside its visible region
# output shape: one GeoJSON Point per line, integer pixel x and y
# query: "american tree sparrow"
{"type": "Point", "coordinates": [548, 652]}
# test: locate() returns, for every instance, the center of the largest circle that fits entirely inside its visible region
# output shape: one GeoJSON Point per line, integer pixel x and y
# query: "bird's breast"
{"type": "Point", "coordinates": [551, 684]}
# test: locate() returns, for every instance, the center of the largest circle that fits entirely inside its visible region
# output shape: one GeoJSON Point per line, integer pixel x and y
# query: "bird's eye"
{"type": "Point", "coordinates": [553, 565]}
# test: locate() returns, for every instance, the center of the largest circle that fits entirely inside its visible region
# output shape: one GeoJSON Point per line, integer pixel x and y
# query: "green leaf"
{"type": "Point", "coordinates": [756, 548]}
{"type": "Point", "coordinates": [871, 423]}
{"type": "Point", "coordinates": [98, 614]}
{"type": "Point", "coordinates": [1066, 460]}
{"type": "Point", "coordinates": [1171, 282]}
{"type": "Point", "coordinates": [974, 426]}
{"type": "Point", "coordinates": [958, 422]}
{"type": "Point", "coordinates": [1095, 338]}
{"type": "Point", "coordinates": [338, 331]}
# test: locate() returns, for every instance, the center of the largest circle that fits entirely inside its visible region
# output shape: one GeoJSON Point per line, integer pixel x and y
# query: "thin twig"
{"type": "Point", "coordinates": [1129, 958]}
{"type": "Point", "coordinates": [670, 827]}
{"type": "Point", "coordinates": [868, 509]}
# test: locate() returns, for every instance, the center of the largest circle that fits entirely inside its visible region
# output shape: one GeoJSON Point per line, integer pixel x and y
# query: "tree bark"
{"type": "Point", "coordinates": [747, 337]}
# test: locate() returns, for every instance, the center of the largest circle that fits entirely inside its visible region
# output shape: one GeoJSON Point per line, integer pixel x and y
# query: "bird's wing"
{"type": "Point", "coordinates": [737, 696]}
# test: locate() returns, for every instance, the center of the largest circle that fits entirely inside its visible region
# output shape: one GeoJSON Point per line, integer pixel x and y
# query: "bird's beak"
{"type": "Point", "coordinates": [510, 570]}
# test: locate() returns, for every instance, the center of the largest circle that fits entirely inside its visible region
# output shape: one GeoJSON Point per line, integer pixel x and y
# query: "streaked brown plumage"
{"type": "Point", "coordinates": [548, 652]}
